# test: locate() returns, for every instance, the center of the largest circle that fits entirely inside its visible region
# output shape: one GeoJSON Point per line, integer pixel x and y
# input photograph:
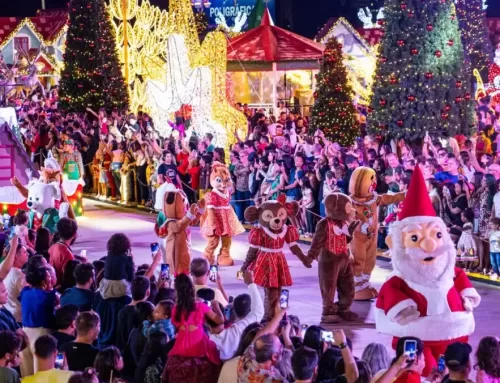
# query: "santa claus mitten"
{"type": "Point", "coordinates": [407, 315]}
{"type": "Point", "coordinates": [251, 256]}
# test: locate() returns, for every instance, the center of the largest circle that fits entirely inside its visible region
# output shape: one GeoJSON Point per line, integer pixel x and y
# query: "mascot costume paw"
{"type": "Point", "coordinates": [265, 256]}
{"type": "Point", "coordinates": [173, 225]}
{"type": "Point", "coordinates": [335, 269]}
{"type": "Point", "coordinates": [364, 244]}
{"type": "Point", "coordinates": [219, 223]}
{"type": "Point", "coordinates": [426, 296]}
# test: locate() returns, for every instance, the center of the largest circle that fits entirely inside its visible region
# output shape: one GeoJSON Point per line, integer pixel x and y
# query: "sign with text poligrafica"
{"type": "Point", "coordinates": [230, 9]}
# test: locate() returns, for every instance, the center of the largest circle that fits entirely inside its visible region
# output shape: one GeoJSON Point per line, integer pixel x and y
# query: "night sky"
{"type": "Point", "coordinates": [308, 16]}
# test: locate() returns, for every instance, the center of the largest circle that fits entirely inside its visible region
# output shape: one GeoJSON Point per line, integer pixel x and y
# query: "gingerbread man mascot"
{"type": "Point", "coordinates": [364, 244]}
{"type": "Point", "coordinates": [219, 222]}
{"type": "Point", "coordinates": [426, 296]}
{"type": "Point", "coordinates": [265, 256]}
{"type": "Point", "coordinates": [335, 269]}
{"type": "Point", "coordinates": [173, 225]}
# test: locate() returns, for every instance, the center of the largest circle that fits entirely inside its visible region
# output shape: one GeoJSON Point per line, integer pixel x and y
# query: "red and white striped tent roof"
{"type": "Point", "coordinates": [258, 48]}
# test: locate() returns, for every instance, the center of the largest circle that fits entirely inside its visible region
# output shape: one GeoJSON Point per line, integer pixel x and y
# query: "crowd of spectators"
{"type": "Point", "coordinates": [65, 319]}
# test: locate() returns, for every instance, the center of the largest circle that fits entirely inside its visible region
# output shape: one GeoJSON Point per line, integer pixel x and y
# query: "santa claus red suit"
{"type": "Point", "coordinates": [425, 296]}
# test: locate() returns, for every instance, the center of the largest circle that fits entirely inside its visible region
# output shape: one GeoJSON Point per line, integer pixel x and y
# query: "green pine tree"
{"type": "Point", "coordinates": [475, 38]}
{"type": "Point", "coordinates": [92, 75]}
{"type": "Point", "coordinates": [333, 111]}
{"type": "Point", "coordinates": [420, 84]}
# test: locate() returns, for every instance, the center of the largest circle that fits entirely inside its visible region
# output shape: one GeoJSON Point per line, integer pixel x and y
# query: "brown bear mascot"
{"type": "Point", "coordinates": [335, 270]}
{"type": "Point", "coordinates": [265, 256]}
{"type": "Point", "coordinates": [364, 244]}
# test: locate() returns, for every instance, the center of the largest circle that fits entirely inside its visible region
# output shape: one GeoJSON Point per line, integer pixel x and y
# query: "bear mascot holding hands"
{"type": "Point", "coordinates": [265, 256]}
{"type": "Point", "coordinates": [426, 296]}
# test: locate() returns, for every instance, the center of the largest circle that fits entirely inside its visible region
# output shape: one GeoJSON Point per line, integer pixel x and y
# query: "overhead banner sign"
{"type": "Point", "coordinates": [233, 12]}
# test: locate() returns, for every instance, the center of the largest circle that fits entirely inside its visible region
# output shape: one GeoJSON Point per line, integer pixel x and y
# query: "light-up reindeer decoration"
{"type": "Point", "coordinates": [30, 80]}
{"type": "Point", "coordinates": [239, 21]}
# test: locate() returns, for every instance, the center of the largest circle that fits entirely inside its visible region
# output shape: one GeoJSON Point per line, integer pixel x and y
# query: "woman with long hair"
{"type": "Point", "coordinates": [377, 357]}
{"type": "Point", "coordinates": [488, 360]}
{"type": "Point", "coordinates": [194, 357]}
{"type": "Point", "coordinates": [486, 195]}
{"type": "Point", "coordinates": [153, 358]}
{"type": "Point", "coordinates": [42, 243]}
{"type": "Point", "coordinates": [108, 364]}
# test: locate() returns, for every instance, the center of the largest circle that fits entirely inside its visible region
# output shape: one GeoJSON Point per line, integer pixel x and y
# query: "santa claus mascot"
{"type": "Point", "coordinates": [426, 296]}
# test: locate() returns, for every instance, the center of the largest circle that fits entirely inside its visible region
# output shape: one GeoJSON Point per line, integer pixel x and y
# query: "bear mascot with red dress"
{"type": "Point", "coordinates": [426, 296]}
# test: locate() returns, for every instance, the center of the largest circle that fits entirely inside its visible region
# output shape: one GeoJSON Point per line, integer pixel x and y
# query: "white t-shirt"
{"type": "Point", "coordinates": [496, 204]}
{"type": "Point", "coordinates": [14, 283]}
{"type": "Point", "coordinates": [218, 295]}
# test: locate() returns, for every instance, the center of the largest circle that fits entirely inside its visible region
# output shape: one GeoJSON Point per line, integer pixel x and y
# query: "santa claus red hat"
{"type": "Point", "coordinates": [417, 202]}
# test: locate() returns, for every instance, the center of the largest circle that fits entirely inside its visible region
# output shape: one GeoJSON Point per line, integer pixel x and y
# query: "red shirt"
{"type": "Point", "coordinates": [194, 172]}
{"type": "Point", "coordinates": [182, 162]}
{"type": "Point", "coordinates": [60, 255]}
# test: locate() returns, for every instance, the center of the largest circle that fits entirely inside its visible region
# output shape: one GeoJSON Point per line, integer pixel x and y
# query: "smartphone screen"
{"type": "Point", "coordinates": [208, 303]}
{"type": "Point", "coordinates": [285, 294]}
{"type": "Point", "coordinates": [165, 271]}
{"type": "Point", "coordinates": [327, 336]}
{"type": "Point", "coordinates": [239, 275]}
{"type": "Point", "coordinates": [303, 330]}
{"type": "Point", "coordinates": [227, 313]}
{"type": "Point", "coordinates": [155, 246]}
{"type": "Point", "coordinates": [213, 273]}
{"type": "Point", "coordinates": [410, 349]}
{"type": "Point", "coordinates": [59, 360]}
{"type": "Point", "coordinates": [441, 365]}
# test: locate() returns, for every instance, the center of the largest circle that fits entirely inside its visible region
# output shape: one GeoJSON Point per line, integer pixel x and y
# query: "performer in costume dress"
{"type": "Point", "coordinates": [71, 162]}
{"type": "Point", "coordinates": [265, 256]}
{"type": "Point", "coordinates": [426, 296]}
{"type": "Point", "coordinates": [219, 222]}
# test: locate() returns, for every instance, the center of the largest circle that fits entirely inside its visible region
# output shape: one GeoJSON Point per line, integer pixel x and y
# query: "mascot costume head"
{"type": "Point", "coordinates": [426, 296]}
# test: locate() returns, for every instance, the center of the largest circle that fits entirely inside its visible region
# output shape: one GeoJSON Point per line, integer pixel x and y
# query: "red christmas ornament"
{"type": "Point", "coordinates": [382, 126]}
{"type": "Point", "coordinates": [347, 102]}
{"type": "Point", "coordinates": [383, 59]}
{"type": "Point", "coordinates": [80, 85]}
{"type": "Point", "coordinates": [414, 51]}
{"type": "Point", "coordinates": [411, 98]}
{"type": "Point", "coordinates": [93, 90]}
{"type": "Point", "coordinates": [447, 108]}
{"type": "Point", "coordinates": [338, 88]}
{"type": "Point", "coordinates": [429, 75]}
{"type": "Point", "coordinates": [73, 9]}
{"type": "Point", "coordinates": [370, 109]}
{"type": "Point", "coordinates": [411, 13]}
{"type": "Point", "coordinates": [380, 22]}
{"type": "Point", "coordinates": [315, 94]}
{"type": "Point", "coordinates": [458, 84]}
{"type": "Point", "coordinates": [403, 5]}
{"type": "Point", "coordinates": [382, 102]}
{"type": "Point", "coordinates": [400, 43]}
{"type": "Point", "coordinates": [331, 103]}
{"type": "Point", "coordinates": [458, 99]}
{"type": "Point", "coordinates": [89, 6]}
{"type": "Point", "coordinates": [340, 46]}
{"type": "Point", "coordinates": [445, 115]}
{"type": "Point", "coordinates": [467, 96]}
{"type": "Point", "coordinates": [430, 27]}
{"type": "Point", "coordinates": [400, 123]}
{"type": "Point", "coordinates": [393, 80]}
{"type": "Point", "coordinates": [452, 17]}
{"type": "Point", "coordinates": [451, 42]}
{"type": "Point", "coordinates": [438, 53]}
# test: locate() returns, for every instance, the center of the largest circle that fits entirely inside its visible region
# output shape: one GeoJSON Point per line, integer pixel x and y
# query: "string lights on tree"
{"type": "Point", "coordinates": [420, 83]}
{"type": "Point", "coordinates": [92, 75]}
{"type": "Point", "coordinates": [333, 111]}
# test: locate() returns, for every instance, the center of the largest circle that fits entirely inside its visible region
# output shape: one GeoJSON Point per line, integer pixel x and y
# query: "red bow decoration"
{"type": "Point", "coordinates": [287, 205]}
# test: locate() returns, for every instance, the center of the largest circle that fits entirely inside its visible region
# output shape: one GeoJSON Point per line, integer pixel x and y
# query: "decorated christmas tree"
{"type": "Point", "coordinates": [333, 111]}
{"type": "Point", "coordinates": [420, 84]}
{"type": "Point", "coordinates": [92, 75]}
{"type": "Point", "coordinates": [475, 39]}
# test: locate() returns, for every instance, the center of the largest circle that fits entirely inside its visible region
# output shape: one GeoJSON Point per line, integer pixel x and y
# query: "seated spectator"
{"type": "Point", "coordinates": [194, 358]}
{"type": "Point", "coordinates": [229, 372]}
{"type": "Point", "coordinates": [248, 308]}
{"type": "Point", "coordinates": [87, 376]}
{"type": "Point", "coordinates": [488, 360]}
{"type": "Point", "coordinates": [377, 357]}
{"type": "Point", "coordinates": [457, 360]}
{"type": "Point", "coordinates": [152, 362]}
{"type": "Point", "coordinates": [38, 302]}
{"type": "Point", "coordinates": [65, 324]}
{"type": "Point", "coordinates": [81, 353]}
{"type": "Point", "coordinates": [200, 270]}
{"type": "Point", "coordinates": [305, 365]}
{"type": "Point", "coordinates": [127, 316]}
{"type": "Point", "coordinates": [161, 320]}
{"type": "Point", "coordinates": [81, 295]}
{"type": "Point", "coordinates": [45, 353]}
{"type": "Point", "coordinates": [108, 364]}
{"type": "Point", "coordinates": [402, 370]}
{"type": "Point", "coordinates": [10, 346]}
{"type": "Point", "coordinates": [60, 252]}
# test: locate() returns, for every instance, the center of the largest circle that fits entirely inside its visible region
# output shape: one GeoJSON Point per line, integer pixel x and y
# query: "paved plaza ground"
{"type": "Point", "coordinates": [101, 220]}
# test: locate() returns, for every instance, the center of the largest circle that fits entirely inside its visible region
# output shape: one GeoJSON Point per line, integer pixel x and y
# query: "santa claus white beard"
{"type": "Point", "coordinates": [428, 269]}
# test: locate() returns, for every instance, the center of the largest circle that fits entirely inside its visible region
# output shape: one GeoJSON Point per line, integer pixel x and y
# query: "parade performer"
{"type": "Point", "coordinates": [335, 269]}
{"type": "Point", "coordinates": [265, 256]}
{"type": "Point", "coordinates": [173, 225]}
{"type": "Point", "coordinates": [426, 296]}
{"type": "Point", "coordinates": [364, 244]}
{"type": "Point", "coordinates": [219, 222]}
